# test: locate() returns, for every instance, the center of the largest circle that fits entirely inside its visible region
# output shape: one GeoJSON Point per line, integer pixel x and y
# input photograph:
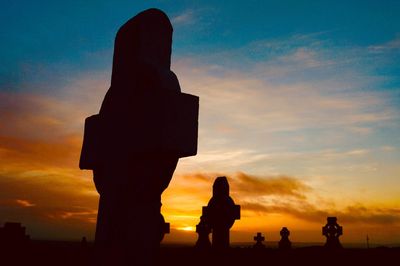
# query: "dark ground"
{"type": "Point", "coordinates": [73, 253]}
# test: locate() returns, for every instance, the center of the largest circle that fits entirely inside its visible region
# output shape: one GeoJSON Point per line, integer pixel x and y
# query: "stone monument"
{"type": "Point", "coordinates": [144, 126]}
{"type": "Point", "coordinates": [259, 239]}
{"type": "Point", "coordinates": [220, 213]}
{"type": "Point", "coordinates": [285, 243]}
{"type": "Point", "coordinates": [332, 231]}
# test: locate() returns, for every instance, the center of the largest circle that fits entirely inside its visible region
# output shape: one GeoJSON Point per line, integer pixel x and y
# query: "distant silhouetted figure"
{"type": "Point", "coordinates": [259, 241]}
{"type": "Point", "coordinates": [84, 242]}
{"type": "Point", "coordinates": [133, 145]}
{"type": "Point", "coordinates": [332, 231]}
{"type": "Point", "coordinates": [220, 213]}
{"type": "Point", "coordinates": [203, 230]}
{"type": "Point", "coordinates": [285, 243]}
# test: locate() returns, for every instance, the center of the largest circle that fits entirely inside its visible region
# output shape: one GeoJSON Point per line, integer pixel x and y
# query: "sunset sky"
{"type": "Point", "coordinates": [299, 108]}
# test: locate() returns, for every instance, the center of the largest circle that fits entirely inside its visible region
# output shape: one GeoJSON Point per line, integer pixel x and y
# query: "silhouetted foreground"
{"type": "Point", "coordinates": [144, 126]}
{"type": "Point", "coordinates": [74, 253]}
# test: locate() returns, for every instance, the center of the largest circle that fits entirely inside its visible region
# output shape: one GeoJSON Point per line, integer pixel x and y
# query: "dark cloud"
{"type": "Point", "coordinates": [355, 214]}
{"type": "Point", "coordinates": [34, 116]}
{"type": "Point", "coordinates": [201, 177]}
{"type": "Point", "coordinates": [288, 195]}
{"type": "Point", "coordinates": [50, 206]}
{"type": "Point", "coordinates": [39, 154]}
{"type": "Point", "coordinates": [251, 185]}
{"type": "Point", "coordinates": [38, 131]}
{"type": "Point", "coordinates": [245, 185]}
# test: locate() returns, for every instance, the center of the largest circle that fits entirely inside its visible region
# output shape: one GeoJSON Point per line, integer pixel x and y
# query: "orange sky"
{"type": "Point", "coordinates": [42, 187]}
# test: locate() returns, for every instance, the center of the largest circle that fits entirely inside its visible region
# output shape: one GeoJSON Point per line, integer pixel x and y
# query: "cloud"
{"type": "Point", "coordinates": [187, 17]}
{"type": "Point", "coordinates": [270, 202]}
{"type": "Point", "coordinates": [188, 192]}
{"type": "Point", "coordinates": [353, 214]}
{"type": "Point", "coordinates": [40, 183]}
{"type": "Point", "coordinates": [235, 99]}
{"type": "Point", "coordinates": [249, 185]}
{"type": "Point", "coordinates": [40, 130]}
{"type": "Point", "coordinates": [296, 106]}
{"type": "Point", "coordinates": [390, 46]}
{"type": "Point", "coordinates": [54, 205]}
{"type": "Point", "coordinates": [31, 115]}
{"type": "Point", "coordinates": [81, 216]}
{"type": "Point", "coordinates": [39, 154]}
{"type": "Point", "coordinates": [244, 185]}
{"type": "Point", "coordinates": [24, 203]}
{"type": "Point", "coordinates": [388, 148]}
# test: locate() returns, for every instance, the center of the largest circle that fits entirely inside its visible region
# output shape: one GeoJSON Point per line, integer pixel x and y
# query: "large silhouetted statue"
{"type": "Point", "coordinates": [133, 145]}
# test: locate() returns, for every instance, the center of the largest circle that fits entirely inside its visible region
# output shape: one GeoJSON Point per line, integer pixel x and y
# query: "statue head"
{"type": "Point", "coordinates": [144, 39]}
{"type": "Point", "coordinates": [221, 187]}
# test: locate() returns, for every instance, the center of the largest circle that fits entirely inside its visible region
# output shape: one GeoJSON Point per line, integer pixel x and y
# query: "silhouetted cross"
{"type": "Point", "coordinates": [259, 238]}
{"type": "Point", "coordinates": [284, 232]}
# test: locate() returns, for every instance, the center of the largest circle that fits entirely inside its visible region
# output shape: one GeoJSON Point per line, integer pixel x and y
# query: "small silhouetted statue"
{"type": "Point", "coordinates": [220, 213]}
{"type": "Point", "coordinates": [285, 243]}
{"type": "Point", "coordinates": [259, 241]}
{"type": "Point", "coordinates": [133, 145]}
{"type": "Point", "coordinates": [332, 231]}
{"type": "Point", "coordinates": [84, 242]}
{"type": "Point", "coordinates": [203, 230]}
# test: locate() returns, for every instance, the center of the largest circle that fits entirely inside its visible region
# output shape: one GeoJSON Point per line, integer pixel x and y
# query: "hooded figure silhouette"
{"type": "Point", "coordinates": [221, 213]}
{"type": "Point", "coordinates": [133, 145]}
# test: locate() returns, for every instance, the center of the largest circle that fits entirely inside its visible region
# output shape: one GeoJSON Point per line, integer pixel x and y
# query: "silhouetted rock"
{"type": "Point", "coordinates": [220, 213]}
{"type": "Point", "coordinates": [165, 227]}
{"type": "Point", "coordinates": [144, 126]}
{"type": "Point", "coordinates": [13, 235]}
{"type": "Point", "coordinates": [259, 239]}
{"type": "Point", "coordinates": [285, 243]}
{"type": "Point", "coordinates": [332, 231]}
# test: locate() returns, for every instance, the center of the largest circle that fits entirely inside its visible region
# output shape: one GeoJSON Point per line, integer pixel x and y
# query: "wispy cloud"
{"type": "Point", "coordinates": [386, 47]}
{"type": "Point", "coordinates": [388, 148]}
{"type": "Point", "coordinates": [186, 17]}
{"type": "Point", "coordinates": [299, 101]}
{"type": "Point", "coordinates": [247, 100]}
{"type": "Point", "coordinates": [249, 185]}
{"type": "Point", "coordinates": [24, 203]}
{"type": "Point", "coordinates": [355, 214]}
{"type": "Point", "coordinates": [188, 192]}
{"type": "Point", "coordinates": [49, 202]}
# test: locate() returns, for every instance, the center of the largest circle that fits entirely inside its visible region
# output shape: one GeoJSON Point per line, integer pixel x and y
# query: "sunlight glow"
{"type": "Point", "coordinates": [187, 228]}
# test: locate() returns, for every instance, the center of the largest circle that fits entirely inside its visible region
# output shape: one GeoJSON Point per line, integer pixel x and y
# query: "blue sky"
{"type": "Point", "coordinates": [304, 94]}
{"type": "Point", "coordinates": [66, 37]}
